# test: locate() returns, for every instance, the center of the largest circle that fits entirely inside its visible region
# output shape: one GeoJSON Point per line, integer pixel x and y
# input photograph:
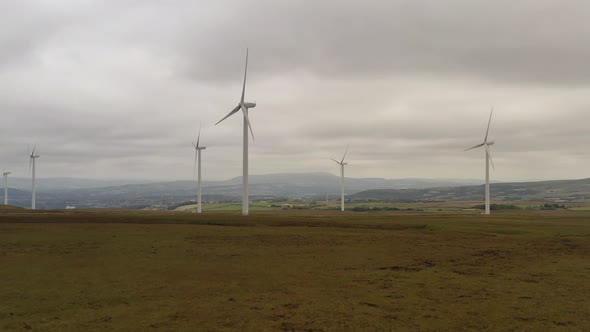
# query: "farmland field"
{"type": "Point", "coordinates": [308, 270]}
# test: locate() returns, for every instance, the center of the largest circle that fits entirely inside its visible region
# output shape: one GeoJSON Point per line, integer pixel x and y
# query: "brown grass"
{"type": "Point", "coordinates": [294, 271]}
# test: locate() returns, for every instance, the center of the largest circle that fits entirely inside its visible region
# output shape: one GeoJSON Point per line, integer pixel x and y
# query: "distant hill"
{"type": "Point", "coordinates": [57, 193]}
{"type": "Point", "coordinates": [557, 191]}
{"type": "Point", "coordinates": [301, 185]}
{"type": "Point", "coordinates": [289, 186]}
{"type": "Point", "coordinates": [22, 198]}
{"type": "Point", "coordinates": [53, 184]}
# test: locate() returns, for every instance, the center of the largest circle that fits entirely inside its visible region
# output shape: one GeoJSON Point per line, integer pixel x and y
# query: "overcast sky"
{"type": "Point", "coordinates": [117, 88]}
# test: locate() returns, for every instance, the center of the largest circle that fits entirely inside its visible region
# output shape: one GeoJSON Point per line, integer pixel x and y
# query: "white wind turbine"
{"type": "Point", "coordinates": [198, 149]}
{"type": "Point", "coordinates": [489, 160]}
{"type": "Point", "coordinates": [244, 106]}
{"type": "Point", "coordinates": [5, 178]}
{"type": "Point", "coordinates": [342, 164]}
{"type": "Point", "coordinates": [32, 158]}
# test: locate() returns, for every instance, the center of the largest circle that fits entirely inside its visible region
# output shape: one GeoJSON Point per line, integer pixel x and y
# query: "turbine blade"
{"type": "Point", "coordinates": [490, 156]}
{"type": "Point", "coordinates": [34, 147]}
{"type": "Point", "coordinates": [237, 108]}
{"type": "Point", "coordinates": [345, 152]}
{"type": "Point", "coordinates": [489, 121]}
{"type": "Point", "coordinates": [245, 110]}
{"type": "Point", "coordinates": [475, 146]}
{"type": "Point", "coordinates": [336, 161]}
{"type": "Point", "coordinates": [195, 164]}
{"type": "Point", "coordinates": [245, 74]}
{"type": "Point", "coordinates": [29, 154]}
{"type": "Point", "coordinates": [199, 136]}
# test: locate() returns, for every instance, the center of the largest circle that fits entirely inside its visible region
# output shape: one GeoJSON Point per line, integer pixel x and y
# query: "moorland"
{"type": "Point", "coordinates": [294, 270]}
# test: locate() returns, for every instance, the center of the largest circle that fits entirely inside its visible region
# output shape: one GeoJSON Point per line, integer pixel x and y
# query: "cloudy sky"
{"type": "Point", "coordinates": [117, 88]}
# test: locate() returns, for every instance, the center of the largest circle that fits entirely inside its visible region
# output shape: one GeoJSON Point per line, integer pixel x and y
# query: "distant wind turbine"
{"type": "Point", "coordinates": [5, 178]}
{"type": "Point", "coordinates": [342, 164]}
{"type": "Point", "coordinates": [32, 158]}
{"type": "Point", "coordinates": [244, 106]}
{"type": "Point", "coordinates": [489, 160]}
{"type": "Point", "coordinates": [198, 149]}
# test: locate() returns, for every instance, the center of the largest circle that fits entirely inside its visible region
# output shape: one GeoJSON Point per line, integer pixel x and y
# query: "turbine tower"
{"type": "Point", "coordinates": [5, 178]}
{"type": "Point", "coordinates": [489, 160]}
{"type": "Point", "coordinates": [342, 164]}
{"type": "Point", "coordinates": [244, 106]}
{"type": "Point", "coordinates": [198, 149]}
{"type": "Point", "coordinates": [32, 158]}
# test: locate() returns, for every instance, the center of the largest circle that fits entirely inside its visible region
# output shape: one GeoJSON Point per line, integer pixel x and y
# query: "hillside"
{"type": "Point", "coordinates": [58, 184]}
{"type": "Point", "coordinates": [557, 191]}
{"type": "Point", "coordinates": [52, 193]}
{"type": "Point", "coordinates": [11, 208]}
{"type": "Point", "coordinates": [292, 186]}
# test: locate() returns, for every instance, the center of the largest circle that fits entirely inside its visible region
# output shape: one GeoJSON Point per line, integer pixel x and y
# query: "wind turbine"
{"type": "Point", "coordinates": [489, 160]}
{"type": "Point", "coordinates": [5, 178]}
{"type": "Point", "coordinates": [198, 149]}
{"type": "Point", "coordinates": [342, 164]}
{"type": "Point", "coordinates": [32, 158]}
{"type": "Point", "coordinates": [244, 106]}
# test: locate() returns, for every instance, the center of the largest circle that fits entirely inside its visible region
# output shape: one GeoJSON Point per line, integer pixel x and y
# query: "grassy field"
{"type": "Point", "coordinates": [215, 207]}
{"type": "Point", "coordinates": [332, 205]}
{"type": "Point", "coordinates": [294, 271]}
{"type": "Point", "coordinates": [335, 205]}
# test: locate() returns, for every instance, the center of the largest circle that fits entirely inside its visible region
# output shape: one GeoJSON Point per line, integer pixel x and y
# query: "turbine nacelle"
{"type": "Point", "coordinates": [242, 105]}
{"type": "Point", "coordinates": [341, 162]}
{"type": "Point", "coordinates": [197, 147]}
{"type": "Point", "coordinates": [32, 152]}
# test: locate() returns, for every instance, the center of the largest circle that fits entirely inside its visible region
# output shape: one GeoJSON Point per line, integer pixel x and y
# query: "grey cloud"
{"type": "Point", "coordinates": [534, 42]}
{"type": "Point", "coordinates": [27, 26]}
{"type": "Point", "coordinates": [118, 88]}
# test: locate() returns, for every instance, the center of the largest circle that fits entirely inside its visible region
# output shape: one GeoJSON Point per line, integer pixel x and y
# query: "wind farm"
{"type": "Point", "coordinates": [366, 201]}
